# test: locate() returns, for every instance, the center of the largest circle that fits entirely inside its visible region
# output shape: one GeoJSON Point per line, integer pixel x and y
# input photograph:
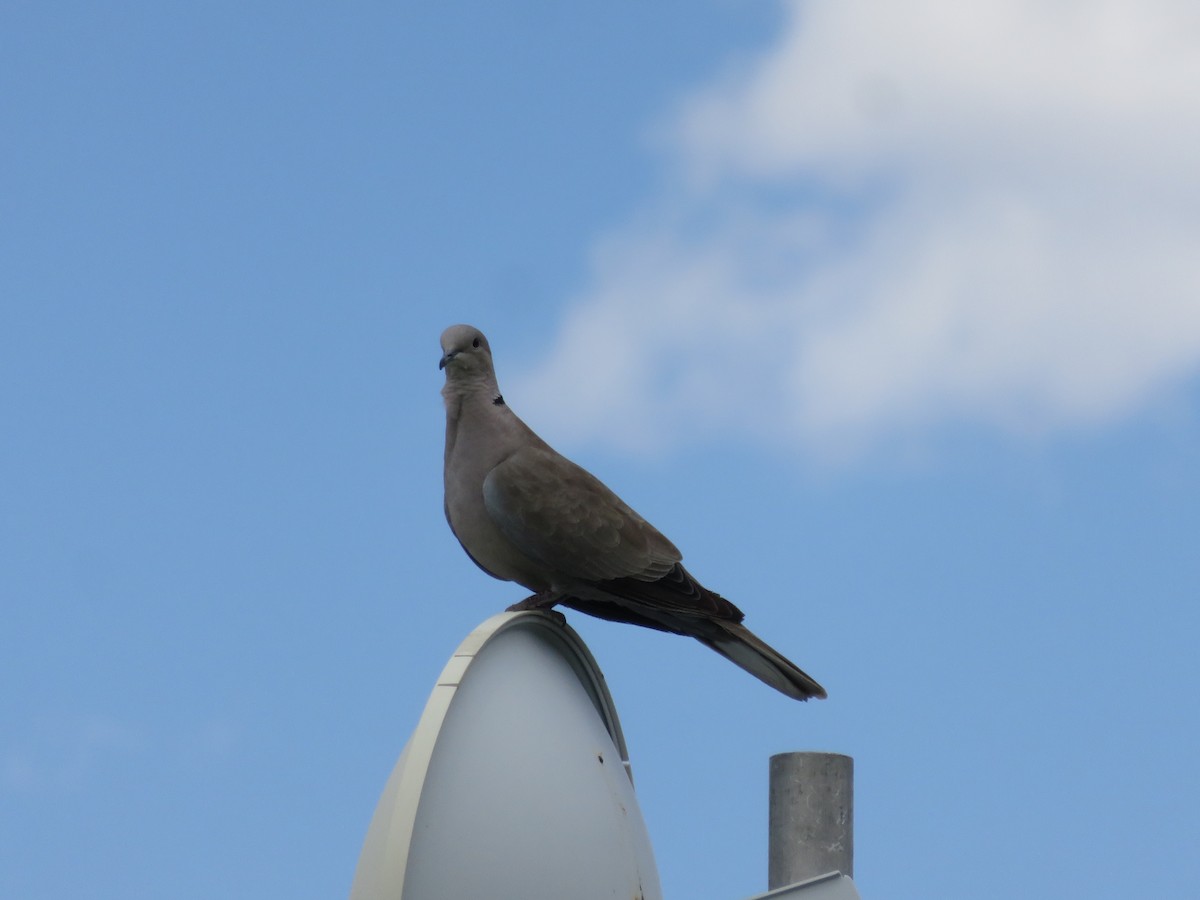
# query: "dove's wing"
{"type": "Point", "coordinates": [564, 518]}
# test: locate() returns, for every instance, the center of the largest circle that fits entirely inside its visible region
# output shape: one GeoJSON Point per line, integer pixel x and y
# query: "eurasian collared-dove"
{"type": "Point", "coordinates": [526, 514]}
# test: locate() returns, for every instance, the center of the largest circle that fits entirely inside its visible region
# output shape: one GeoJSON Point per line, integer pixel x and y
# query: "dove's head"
{"type": "Point", "coordinates": [465, 353]}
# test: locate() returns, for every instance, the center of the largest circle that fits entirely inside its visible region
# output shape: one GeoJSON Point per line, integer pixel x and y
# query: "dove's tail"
{"type": "Point", "coordinates": [741, 646]}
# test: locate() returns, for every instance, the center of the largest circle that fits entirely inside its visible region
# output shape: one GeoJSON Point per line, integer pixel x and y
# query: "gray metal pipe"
{"type": "Point", "coordinates": [811, 817]}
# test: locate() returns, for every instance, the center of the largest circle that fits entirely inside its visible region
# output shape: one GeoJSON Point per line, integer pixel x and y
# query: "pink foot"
{"type": "Point", "coordinates": [543, 601]}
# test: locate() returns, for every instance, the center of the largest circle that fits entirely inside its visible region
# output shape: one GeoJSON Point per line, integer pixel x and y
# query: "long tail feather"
{"type": "Point", "coordinates": [744, 648]}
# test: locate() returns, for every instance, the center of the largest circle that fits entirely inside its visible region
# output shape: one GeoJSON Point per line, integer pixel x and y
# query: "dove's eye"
{"type": "Point", "coordinates": [475, 343]}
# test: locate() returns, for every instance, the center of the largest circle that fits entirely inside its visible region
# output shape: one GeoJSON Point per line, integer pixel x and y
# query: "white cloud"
{"type": "Point", "coordinates": [902, 215]}
{"type": "Point", "coordinates": [63, 753]}
{"type": "Point", "coordinates": [60, 754]}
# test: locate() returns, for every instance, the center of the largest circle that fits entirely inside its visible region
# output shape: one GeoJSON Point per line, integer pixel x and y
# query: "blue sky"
{"type": "Point", "coordinates": [890, 319]}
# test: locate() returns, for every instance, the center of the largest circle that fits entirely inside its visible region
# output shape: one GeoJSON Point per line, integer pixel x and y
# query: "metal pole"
{"type": "Point", "coordinates": [811, 817]}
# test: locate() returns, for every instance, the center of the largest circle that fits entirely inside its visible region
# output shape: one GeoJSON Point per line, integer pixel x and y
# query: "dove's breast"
{"type": "Point", "coordinates": [467, 465]}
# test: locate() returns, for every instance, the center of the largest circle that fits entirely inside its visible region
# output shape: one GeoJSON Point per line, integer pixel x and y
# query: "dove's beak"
{"type": "Point", "coordinates": [445, 359]}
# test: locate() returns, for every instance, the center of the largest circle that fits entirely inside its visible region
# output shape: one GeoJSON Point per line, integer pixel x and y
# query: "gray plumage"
{"type": "Point", "coordinates": [524, 513]}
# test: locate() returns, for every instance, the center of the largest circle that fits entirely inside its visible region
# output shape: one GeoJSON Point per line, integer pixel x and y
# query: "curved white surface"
{"type": "Point", "coordinates": [515, 782]}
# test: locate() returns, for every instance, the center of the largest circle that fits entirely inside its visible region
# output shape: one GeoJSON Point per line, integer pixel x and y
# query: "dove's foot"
{"type": "Point", "coordinates": [544, 601]}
